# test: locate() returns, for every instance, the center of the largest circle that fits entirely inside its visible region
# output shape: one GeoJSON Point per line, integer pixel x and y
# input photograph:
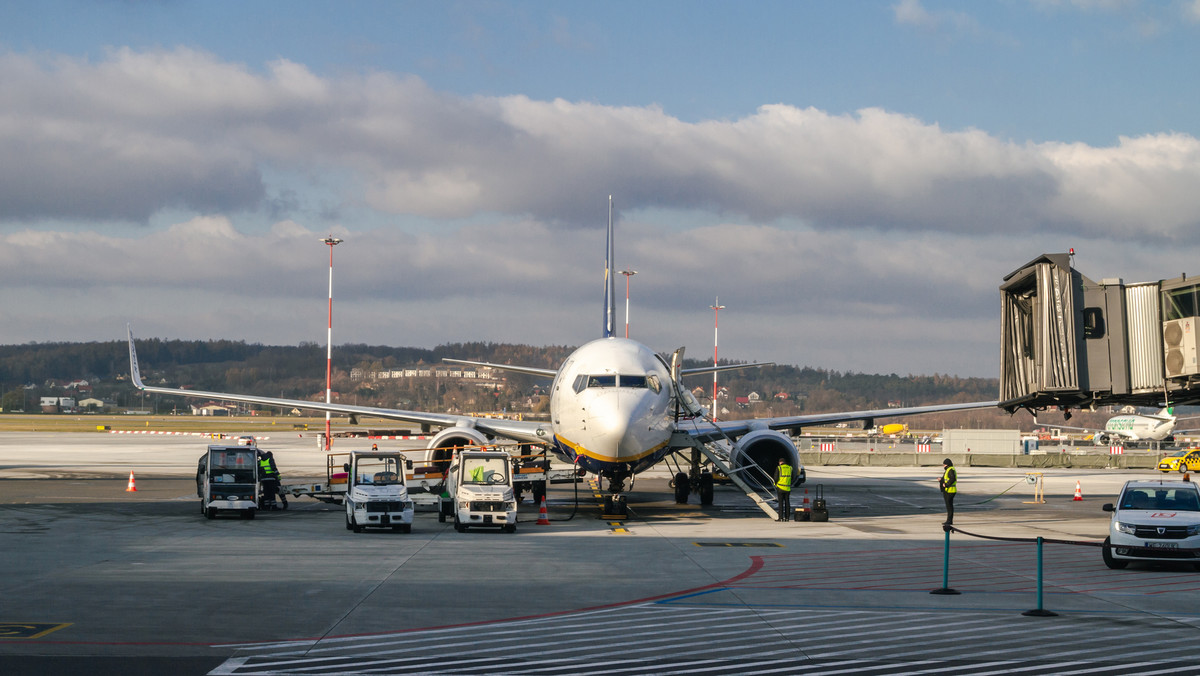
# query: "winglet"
{"type": "Point", "coordinates": [133, 362]}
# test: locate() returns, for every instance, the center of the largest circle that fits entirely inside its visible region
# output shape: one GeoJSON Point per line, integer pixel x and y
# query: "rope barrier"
{"type": "Point", "coordinates": [1179, 553]}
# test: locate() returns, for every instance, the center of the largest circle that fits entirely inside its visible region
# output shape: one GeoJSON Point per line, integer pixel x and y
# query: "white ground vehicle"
{"type": "Point", "coordinates": [227, 480]}
{"type": "Point", "coordinates": [479, 486]}
{"type": "Point", "coordinates": [1154, 521]}
{"type": "Point", "coordinates": [376, 495]}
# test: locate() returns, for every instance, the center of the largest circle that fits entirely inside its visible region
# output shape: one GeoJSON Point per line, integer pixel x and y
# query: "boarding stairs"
{"type": "Point", "coordinates": [718, 453]}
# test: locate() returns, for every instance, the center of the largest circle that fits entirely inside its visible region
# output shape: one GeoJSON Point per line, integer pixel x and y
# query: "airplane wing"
{"type": "Point", "coordinates": [727, 367]}
{"type": "Point", "coordinates": [736, 428]}
{"type": "Point", "coordinates": [529, 370]}
{"type": "Point", "coordinates": [517, 430]}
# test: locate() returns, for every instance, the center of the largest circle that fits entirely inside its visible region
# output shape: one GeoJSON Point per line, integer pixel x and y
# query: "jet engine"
{"type": "Point", "coordinates": [757, 456]}
{"type": "Point", "coordinates": [441, 448]}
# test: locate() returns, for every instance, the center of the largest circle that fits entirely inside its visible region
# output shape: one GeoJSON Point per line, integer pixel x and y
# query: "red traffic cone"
{"type": "Point", "coordinates": [1078, 492]}
{"type": "Point", "coordinates": [132, 488]}
{"type": "Point", "coordinates": [543, 518]}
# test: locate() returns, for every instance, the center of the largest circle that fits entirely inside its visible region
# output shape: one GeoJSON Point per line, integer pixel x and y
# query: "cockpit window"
{"type": "Point", "coordinates": [641, 382]}
{"type": "Point", "coordinates": [653, 384]}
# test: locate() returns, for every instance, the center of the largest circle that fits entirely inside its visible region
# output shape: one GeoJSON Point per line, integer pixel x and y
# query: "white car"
{"type": "Point", "coordinates": [1154, 521]}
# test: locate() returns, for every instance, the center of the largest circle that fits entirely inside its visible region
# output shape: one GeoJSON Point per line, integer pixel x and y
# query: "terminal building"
{"type": "Point", "coordinates": [1069, 342]}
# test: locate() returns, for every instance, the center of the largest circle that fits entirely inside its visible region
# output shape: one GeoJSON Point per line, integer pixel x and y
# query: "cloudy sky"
{"type": "Point", "coordinates": [852, 180]}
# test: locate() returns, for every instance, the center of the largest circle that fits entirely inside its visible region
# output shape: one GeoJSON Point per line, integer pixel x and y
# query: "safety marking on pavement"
{"type": "Point", "coordinates": [645, 638]}
{"type": "Point", "coordinates": [737, 544]}
{"type": "Point", "coordinates": [620, 530]}
{"type": "Point", "coordinates": [989, 568]}
{"type": "Point", "coordinates": [27, 630]}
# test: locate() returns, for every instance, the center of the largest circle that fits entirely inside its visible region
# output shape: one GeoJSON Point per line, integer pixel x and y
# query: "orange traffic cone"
{"type": "Point", "coordinates": [1078, 492]}
{"type": "Point", "coordinates": [132, 485]}
{"type": "Point", "coordinates": [543, 518]}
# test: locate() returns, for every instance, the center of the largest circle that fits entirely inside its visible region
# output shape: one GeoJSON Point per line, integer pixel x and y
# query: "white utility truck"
{"type": "Point", "coordinates": [227, 480]}
{"type": "Point", "coordinates": [479, 491]}
{"type": "Point", "coordinates": [376, 495]}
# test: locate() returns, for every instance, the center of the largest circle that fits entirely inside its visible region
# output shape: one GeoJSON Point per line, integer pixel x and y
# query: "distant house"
{"type": "Point", "coordinates": [93, 404]}
{"type": "Point", "coordinates": [213, 409]}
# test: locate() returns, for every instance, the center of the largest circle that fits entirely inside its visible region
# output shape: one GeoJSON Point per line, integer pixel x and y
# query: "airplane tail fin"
{"type": "Point", "coordinates": [609, 282]}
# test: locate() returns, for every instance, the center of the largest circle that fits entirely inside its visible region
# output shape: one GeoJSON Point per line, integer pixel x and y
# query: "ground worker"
{"type": "Point", "coordinates": [949, 486]}
{"type": "Point", "coordinates": [270, 481]}
{"type": "Point", "coordinates": [783, 490]}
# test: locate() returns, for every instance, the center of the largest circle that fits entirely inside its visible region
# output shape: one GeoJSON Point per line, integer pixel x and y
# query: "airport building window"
{"type": "Point", "coordinates": [1180, 303]}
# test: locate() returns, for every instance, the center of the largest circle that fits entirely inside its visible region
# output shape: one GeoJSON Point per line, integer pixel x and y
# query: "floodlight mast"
{"type": "Point", "coordinates": [332, 242]}
{"type": "Point", "coordinates": [716, 308]}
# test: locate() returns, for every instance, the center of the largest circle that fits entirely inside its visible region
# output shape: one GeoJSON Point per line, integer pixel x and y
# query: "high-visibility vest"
{"type": "Point", "coordinates": [950, 485]}
{"type": "Point", "coordinates": [264, 466]}
{"type": "Point", "coordinates": [784, 483]}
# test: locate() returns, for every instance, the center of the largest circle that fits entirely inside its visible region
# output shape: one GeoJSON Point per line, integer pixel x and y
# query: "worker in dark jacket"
{"type": "Point", "coordinates": [783, 489]}
{"type": "Point", "coordinates": [949, 486]}
{"type": "Point", "coordinates": [269, 473]}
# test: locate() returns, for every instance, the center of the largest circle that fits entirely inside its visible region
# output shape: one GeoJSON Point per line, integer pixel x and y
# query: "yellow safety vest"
{"type": "Point", "coordinates": [948, 485]}
{"type": "Point", "coordinates": [785, 477]}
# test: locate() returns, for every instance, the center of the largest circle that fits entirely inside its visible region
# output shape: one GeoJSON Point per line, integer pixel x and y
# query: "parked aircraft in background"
{"type": "Point", "coordinates": [1131, 428]}
{"type": "Point", "coordinates": [617, 408]}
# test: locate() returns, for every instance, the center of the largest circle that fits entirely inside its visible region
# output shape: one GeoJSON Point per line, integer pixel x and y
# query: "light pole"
{"type": "Point", "coordinates": [716, 308]}
{"type": "Point", "coordinates": [332, 242]}
{"type": "Point", "coordinates": [628, 274]}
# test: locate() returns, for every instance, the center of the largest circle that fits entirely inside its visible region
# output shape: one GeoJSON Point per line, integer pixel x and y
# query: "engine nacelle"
{"type": "Point", "coordinates": [762, 449]}
{"type": "Point", "coordinates": [444, 443]}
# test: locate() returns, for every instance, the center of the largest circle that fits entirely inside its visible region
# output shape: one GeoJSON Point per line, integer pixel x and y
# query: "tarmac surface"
{"type": "Point", "coordinates": [100, 580]}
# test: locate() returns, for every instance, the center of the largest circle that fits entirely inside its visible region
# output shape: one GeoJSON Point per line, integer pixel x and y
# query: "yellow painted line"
{"type": "Point", "coordinates": [27, 630]}
{"type": "Point", "coordinates": [620, 530]}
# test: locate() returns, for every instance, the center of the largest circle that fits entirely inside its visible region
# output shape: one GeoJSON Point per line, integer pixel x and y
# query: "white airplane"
{"type": "Point", "coordinates": [1134, 427]}
{"type": "Point", "coordinates": [617, 408]}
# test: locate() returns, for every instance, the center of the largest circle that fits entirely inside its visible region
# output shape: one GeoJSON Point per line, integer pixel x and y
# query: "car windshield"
{"type": "Point", "coordinates": [1161, 498]}
{"type": "Point", "coordinates": [484, 471]}
{"type": "Point", "coordinates": [378, 472]}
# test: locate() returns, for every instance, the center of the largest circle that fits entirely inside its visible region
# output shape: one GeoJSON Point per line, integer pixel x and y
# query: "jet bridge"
{"type": "Point", "coordinates": [1070, 342]}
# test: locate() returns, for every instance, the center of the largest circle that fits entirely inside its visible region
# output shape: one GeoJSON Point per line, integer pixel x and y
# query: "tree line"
{"type": "Point", "coordinates": [298, 372]}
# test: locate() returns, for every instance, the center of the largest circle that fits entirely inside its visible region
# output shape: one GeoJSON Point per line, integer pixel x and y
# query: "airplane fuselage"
{"type": "Point", "coordinates": [1140, 427]}
{"type": "Point", "coordinates": [611, 407]}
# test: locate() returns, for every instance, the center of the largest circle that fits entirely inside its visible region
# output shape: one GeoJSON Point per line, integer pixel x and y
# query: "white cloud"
{"type": "Point", "coordinates": [868, 241]}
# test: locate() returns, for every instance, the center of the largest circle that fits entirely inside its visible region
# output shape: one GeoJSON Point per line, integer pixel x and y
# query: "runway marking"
{"type": "Point", "coordinates": [680, 638]}
{"type": "Point", "coordinates": [28, 630]}
{"type": "Point", "coordinates": [737, 544]}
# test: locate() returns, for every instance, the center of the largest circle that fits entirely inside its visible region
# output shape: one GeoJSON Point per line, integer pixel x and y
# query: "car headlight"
{"type": "Point", "coordinates": [1127, 528]}
{"type": "Point", "coordinates": [1193, 529]}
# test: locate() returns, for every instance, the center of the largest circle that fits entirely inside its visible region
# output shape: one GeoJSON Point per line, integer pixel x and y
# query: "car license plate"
{"type": "Point", "coordinates": [1163, 545]}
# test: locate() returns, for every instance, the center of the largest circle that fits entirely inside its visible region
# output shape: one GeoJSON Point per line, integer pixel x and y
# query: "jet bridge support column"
{"type": "Point", "coordinates": [720, 459]}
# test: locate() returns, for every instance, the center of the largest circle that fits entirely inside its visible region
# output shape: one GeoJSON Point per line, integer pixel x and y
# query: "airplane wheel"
{"type": "Point", "coordinates": [1106, 552]}
{"type": "Point", "coordinates": [681, 488]}
{"type": "Point", "coordinates": [706, 488]}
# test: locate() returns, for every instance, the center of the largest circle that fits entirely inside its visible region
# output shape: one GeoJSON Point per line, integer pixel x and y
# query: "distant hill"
{"type": "Point", "coordinates": [298, 372]}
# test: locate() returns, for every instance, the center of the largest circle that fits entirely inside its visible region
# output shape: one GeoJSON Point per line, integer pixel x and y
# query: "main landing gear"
{"type": "Point", "coordinates": [698, 479]}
